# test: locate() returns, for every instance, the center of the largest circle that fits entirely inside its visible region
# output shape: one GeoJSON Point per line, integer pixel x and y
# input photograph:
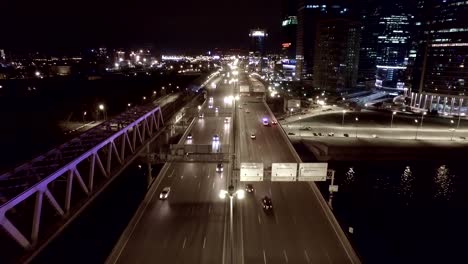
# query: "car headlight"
{"type": "Point", "coordinates": [160, 196]}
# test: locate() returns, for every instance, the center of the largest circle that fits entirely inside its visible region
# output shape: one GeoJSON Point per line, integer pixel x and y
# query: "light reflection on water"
{"type": "Point", "coordinates": [403, 211]}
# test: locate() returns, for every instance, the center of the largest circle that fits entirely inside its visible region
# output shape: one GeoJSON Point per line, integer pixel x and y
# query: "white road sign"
{"type": "Point", "coordinates": [283, 172]}
{"type": "Point", "coordinates": [313, 171]}
{"type": "Point", "coordinates": [251, 171]}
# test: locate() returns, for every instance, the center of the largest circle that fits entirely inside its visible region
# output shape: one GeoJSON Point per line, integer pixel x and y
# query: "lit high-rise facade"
{"type": "Point", "coordinates": [309, 13]}
{"type": "Point", "coordinates": [336, 54]}
{"type": "Point", "coordinates": [445, 68]}
{"type": "Point", "coordinates": [394, 47]}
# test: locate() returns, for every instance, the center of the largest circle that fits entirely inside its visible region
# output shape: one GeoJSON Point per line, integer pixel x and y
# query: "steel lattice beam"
{"type": "Point", "coordinates": [104, 149]}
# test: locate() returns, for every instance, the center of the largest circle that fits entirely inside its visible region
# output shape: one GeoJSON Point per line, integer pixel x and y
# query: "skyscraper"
{"type": "Point", "coordinates": [369, 17]}
{"type": "Point", "coordinates": [445, 68]}
{"type": "Point", "coordinates": [309, 12]}
{"type": "Point", "coordinates": [257, 48]}
{"type": "Point", "coordinates": [336, 54]}
{"type": "Point", "coordinates": [288, 29]}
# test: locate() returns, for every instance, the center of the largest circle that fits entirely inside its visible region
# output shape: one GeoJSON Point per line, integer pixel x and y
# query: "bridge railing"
{"type": "Point", "coordinates": [72, 175]}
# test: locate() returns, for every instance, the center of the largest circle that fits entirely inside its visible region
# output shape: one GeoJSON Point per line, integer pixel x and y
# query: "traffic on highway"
{"type": "Point", "coordinates": [184, 219]}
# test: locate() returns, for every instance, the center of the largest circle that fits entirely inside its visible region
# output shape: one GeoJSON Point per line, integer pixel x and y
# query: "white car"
{"type": "Point", "coordinates": [252, 136]}
{"type": "Point", "coordinates": [216, 138]}
{"type": "Point", "coordinates": [165, 193]}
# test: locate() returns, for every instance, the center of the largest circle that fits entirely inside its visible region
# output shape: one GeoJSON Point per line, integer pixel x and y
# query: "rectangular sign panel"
{"type": "Point", "coordinates": [251, 171]}
{"type": "Point", "coordinates": [313, 171]}
{"type": "Point", "coordinates": [283, 172]}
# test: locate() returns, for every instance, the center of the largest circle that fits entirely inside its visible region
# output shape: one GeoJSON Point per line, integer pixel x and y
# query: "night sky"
{"type": "Point", "coordinates": [176, 25]}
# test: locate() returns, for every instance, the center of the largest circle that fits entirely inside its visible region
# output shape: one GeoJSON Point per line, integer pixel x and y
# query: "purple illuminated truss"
{"type": "Point", "coordinates": [92, 160]}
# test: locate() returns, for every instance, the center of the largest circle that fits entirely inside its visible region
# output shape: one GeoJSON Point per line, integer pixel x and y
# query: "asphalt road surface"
{"type": "Point", "coordinates": [296, 230]}
{"type": "Point", "coordinates": [190, 226]}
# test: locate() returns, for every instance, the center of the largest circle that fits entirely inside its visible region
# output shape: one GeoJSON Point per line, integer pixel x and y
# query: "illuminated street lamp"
{"type": "Point", "coordinates": [417, 128]}
{"type": "Point", "coordinates": [240, 194]}
{"type": "Point", "coordinates": [144, 97]}
{"type": "Point", "coordinates": [342, 120]}
{"type": "Point", "coordinates": [452, 129]}
{"type": "Point", "coordinates": [391, 122]}
{"type": "Point", "coordinates": [129, 104]}
{"type": "Point", "coordinates": [422, 118]}
{"type": "Point", "coordinates": [103, 109]}
{"type": "Point", "coordinates": [84, 116]}
{"type": "Point", "coordinates": [356, 119]}
{"type": "Point", "coordinates": [459, 117]}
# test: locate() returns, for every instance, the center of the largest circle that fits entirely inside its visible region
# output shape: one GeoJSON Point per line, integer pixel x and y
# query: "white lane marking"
{"type": "Point", "coordinates": [264, 257]}
{"type": "Point", "coordinates": [208, 176]}
{"type": "Point", "coordinates": [204, 241]}
{"type": "Point", "coordinates": [181, 177]}
{"type": "Point", "coordinates": [185, 240]}
{"type": "Point", "coordinates": [199, 185]}
{"type": "Point", "coordinates": [213, 185]}
{"type": "Point", "coordinates": [172, 173]}
{"type": "Point", "coordinates": [270, 192]}
{"type": "Point", "coordinates": [195, 176]}
{"type": "Point", "coordinates": [259, 221]}
{"type": "Point", "coordinates": [209, 209]}
{"type": "Point", "coordinates": [306, 256]}
{"type": "Point", "coordinates": [285, 256]}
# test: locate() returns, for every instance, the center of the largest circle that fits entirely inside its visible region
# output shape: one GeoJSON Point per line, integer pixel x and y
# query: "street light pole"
{"type": "Point", "coordinates": [240, 195]}
{"type": "Point", "coordinates": [391, 122]}
{"type": "Point", "coordinates": [357, 119]}
{"type": "Point", "coordinates": [422, 118]}
{"type": "Point", "coordinates": [452, 129]}
{"type": "Point", "coordinates": [417, 128]}
{"type": "Point", "coordinates": [459, 117]}
{"type": "Point", "coordinates": [342, 120]}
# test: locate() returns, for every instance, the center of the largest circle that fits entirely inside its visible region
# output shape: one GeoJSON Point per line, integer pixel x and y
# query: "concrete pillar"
{"type": "Point", "coordinates": [425, 101]}
{"type": "Point", "coordinates": [445, 104]}
{"type": "Point", "coordinates": [452, 104]}
{"type": "Point", "coordinates": [460, 105]}
{"type": "Point", "coordinates": [412, 99]}
{"type": "Point", "coordinates": [419, 102]}
{"type": "Point", "coordinates": [431, 105]}
{"type": "Point", "coordinates": [438, 103]}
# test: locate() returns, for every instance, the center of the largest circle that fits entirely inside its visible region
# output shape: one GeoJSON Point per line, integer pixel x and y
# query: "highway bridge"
{"type": "Point", "coordinates": [192, 225]}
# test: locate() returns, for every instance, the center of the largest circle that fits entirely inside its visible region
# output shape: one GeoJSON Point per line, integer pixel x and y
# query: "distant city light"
{"type": "Point", "coordinates": [101, 107]}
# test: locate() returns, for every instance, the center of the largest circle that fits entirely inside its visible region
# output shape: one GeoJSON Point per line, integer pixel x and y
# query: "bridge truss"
{"type": "Point", "coordinates": [72, 175]}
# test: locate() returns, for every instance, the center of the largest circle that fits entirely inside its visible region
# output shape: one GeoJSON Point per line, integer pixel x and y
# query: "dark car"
{"type": "Point", "coordinates": [249, 188]}
{"type": "Point", "coordinates": [219, 167]}
{"type": "Point", "coordinates": [266, 203]}
{"type": "Point", "coordinates": [346, 135]}
{"type": "Point", "coordinates": [189, 136]}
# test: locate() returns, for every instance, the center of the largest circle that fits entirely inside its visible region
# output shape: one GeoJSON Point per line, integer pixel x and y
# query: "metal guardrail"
{"type": "Point", "coordinates": [353, 257]}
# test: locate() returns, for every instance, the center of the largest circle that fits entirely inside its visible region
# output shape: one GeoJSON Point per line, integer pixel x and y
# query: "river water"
{"type": "Point", "coordinates": [406, 211]}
